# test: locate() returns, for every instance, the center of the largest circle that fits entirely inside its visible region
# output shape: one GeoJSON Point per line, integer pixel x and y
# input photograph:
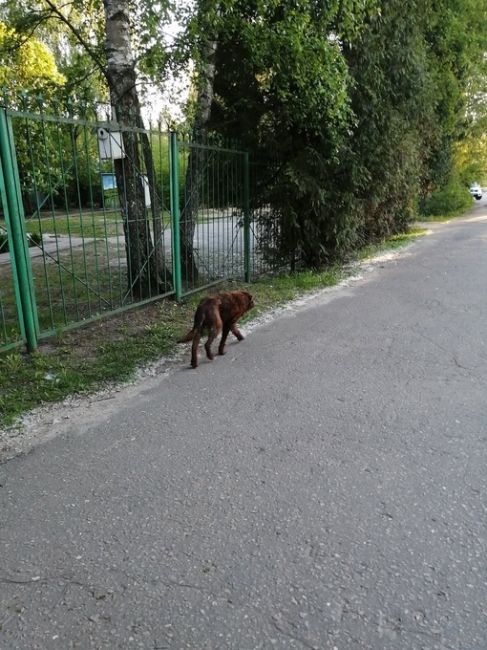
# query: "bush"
{"type": "Point", "coordinates": [454, 198]}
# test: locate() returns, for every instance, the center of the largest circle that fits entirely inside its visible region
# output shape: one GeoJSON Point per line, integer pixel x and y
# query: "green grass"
{"type": "Point", "coordinates": [442, 218]}
{"type": "Point", "coordinates": [449, 211]}
{"type": "Point", "coordinates": [88, 280]}
{"type": "Point", "coordinates": [87, 224]}
{"type": "Point", "coordinates": [27, 381]}
{"type": "Point", "coordinates": [110, 350]}
{"type": "Point", "coordinates": [74, 290]}
{"type": "Point", "coordinates": [78, 225]}
{"type": "Point", "coordinates": [99, 224]}
{"type": "Point", "coordinates": [390, 243]}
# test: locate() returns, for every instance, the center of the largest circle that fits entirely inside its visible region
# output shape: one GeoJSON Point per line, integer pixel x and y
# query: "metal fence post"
{"type": "Point", "coordinates": [246, 208]}
{"type": "Point", "coordinates": [18, 240]}
{"type": "Point", "coordinates": [13, 264]}
{"type": "Point", "coordinates": [21, 222]}
{"type": "Point", "coordinates": [174, 201]}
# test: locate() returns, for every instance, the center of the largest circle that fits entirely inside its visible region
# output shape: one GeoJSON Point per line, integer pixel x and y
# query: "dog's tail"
{"type": "Point", "coordinates": [199, 319]}
{"type": "Point", "coordinates": [189, 337]}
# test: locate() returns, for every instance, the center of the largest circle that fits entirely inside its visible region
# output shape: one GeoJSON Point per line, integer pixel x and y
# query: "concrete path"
{"type": "Point", "coordinates": [52, 245]}
{"type": "Point", "coordinates": [321, 486]}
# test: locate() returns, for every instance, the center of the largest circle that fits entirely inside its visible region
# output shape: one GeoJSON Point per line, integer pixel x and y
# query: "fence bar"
{"type": "Point", "coordinates": [19, 242]}
{"type": "Point", "coordinates": [21, 221]}
{"type": "Point", "coordinates": [246, 201]}
{"type": "Point", "coordinates": [15, 282]}
{"type": "Point", "coordinates": [174, 194]}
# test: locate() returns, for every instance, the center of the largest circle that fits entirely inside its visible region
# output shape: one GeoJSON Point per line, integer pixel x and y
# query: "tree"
{"type": "Point", "coordinates": [411, 69]}
{"type": "Point", "coordinates": [112, 62]}
{"type": "Point", "coordinates": [351, 110]}
{"type": "Point", "coordinates": [282, 88]}
{"type": "Point", "coordinates": [26, 65]}
{"type": "Point", "coordinates": [27, 68]}
{"type": "Point", "coordinates": [206, 28]}
{"type": "Point", "coordinates": [142, 260]}
{"type": "Point", "coordinates": [72, 33]}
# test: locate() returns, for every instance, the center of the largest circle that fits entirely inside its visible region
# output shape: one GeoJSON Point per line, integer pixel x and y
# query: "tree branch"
{"type": "Point", "coordinates": [89, 50]}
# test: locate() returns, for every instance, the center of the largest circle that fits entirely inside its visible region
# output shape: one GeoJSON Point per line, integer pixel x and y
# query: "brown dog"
{"type": "Point", "coordinates": [217, 314]}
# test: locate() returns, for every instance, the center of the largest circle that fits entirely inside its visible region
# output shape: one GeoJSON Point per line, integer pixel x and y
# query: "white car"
{"type": "Point", "coordinates": [476, 191]}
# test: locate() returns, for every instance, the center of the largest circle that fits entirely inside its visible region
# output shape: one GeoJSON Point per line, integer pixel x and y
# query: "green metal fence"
{"type": "Point", "coordinates": [10, 320]}
{"type": "Point", "coordinates": [213, 205]}
{"type": "Point", "coordinates": [98, 217]}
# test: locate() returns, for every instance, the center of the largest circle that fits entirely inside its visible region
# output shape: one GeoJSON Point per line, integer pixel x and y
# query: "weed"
{"type": "Point", "coordinates": [11, 362]}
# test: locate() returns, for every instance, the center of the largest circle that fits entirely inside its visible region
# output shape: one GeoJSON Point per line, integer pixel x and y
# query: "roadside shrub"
{"type": "Point", "coordinates": [453, 198]}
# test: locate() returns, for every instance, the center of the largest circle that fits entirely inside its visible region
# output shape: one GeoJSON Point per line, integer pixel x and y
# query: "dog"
{"type": "Point", "coordinates": [216, 314]}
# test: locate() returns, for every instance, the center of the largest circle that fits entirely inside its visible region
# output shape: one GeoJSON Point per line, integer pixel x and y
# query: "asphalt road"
{"type": "Point", "coordinates": [321, 486]}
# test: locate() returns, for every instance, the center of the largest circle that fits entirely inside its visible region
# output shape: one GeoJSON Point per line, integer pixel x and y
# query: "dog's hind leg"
{"type": "Point", "coordinates": [212, 334]}
{"type": "Point", "coordinates": [221, 347]}
{"type": "Point", "coordinates": [236, 332]}
{"type": "Point", "coordinates": [194, 350]}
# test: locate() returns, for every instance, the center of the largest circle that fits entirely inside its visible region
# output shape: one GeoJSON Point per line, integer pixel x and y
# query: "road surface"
{"type": "Point", "coordinates": [321, 486]}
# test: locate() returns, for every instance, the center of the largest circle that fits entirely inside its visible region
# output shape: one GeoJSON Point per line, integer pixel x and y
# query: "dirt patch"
{"type": "Point", "coordinates": [85, 342]}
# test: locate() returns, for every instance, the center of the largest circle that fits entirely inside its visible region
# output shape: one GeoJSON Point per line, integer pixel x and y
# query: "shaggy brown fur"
{"type": "Point", "coordinates": [216, 314]}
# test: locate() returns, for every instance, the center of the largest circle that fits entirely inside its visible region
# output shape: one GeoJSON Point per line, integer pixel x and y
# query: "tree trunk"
{"type": "Point", "coordinates": [196, 164]}
{"type": "Point", "coordinates": [165, 276]}
{"type": "Point", "coordinates": [142, 260]}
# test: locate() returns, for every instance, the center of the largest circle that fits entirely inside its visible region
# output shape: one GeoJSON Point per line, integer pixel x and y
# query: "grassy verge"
{"type": "Point", "coordinates": [391, 243]}
{"type": "Point", "coordinates": [447, 215]}
{"type": "Point", "coordinates": [442, 218]}
{"type": "Point", "coordinates": [101, 224]}
{"type": "Point", "coordinates": [86, 359]}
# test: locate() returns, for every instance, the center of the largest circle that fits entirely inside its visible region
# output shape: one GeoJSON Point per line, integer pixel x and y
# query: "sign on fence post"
{"type": "Point", "coordinates": [110, 144]}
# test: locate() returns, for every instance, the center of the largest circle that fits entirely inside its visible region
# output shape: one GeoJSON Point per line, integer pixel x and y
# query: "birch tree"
{"type": "Point", "coordinates": [103, 36]}
{"type": "Point", "coordinates": [142, 257]}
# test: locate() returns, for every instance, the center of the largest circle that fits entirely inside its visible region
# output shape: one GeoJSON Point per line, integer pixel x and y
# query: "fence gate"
{"type": "Point", "coordinates": [213, 213]}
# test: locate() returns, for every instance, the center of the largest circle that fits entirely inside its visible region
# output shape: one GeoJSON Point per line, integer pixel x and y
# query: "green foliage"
{"type": "Point", "coordinates": [470, 155]}
{"type": "Point", "coordinates": [355, 112]}
{"type": "Point", "coordinates": [282, 87]}
{"type": "Point", "coordinates": [26, 65]}
{"type": "Point", "coordinates": [352, 111]}
{"type": "Point", "coordinates": [450, 199]}
{"type": "Point", "coordinates": [72, 34]}
{"type": "Point", "coordinates": [58, 161]}
{"type": "Point", "coordinates": [160, 156]}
